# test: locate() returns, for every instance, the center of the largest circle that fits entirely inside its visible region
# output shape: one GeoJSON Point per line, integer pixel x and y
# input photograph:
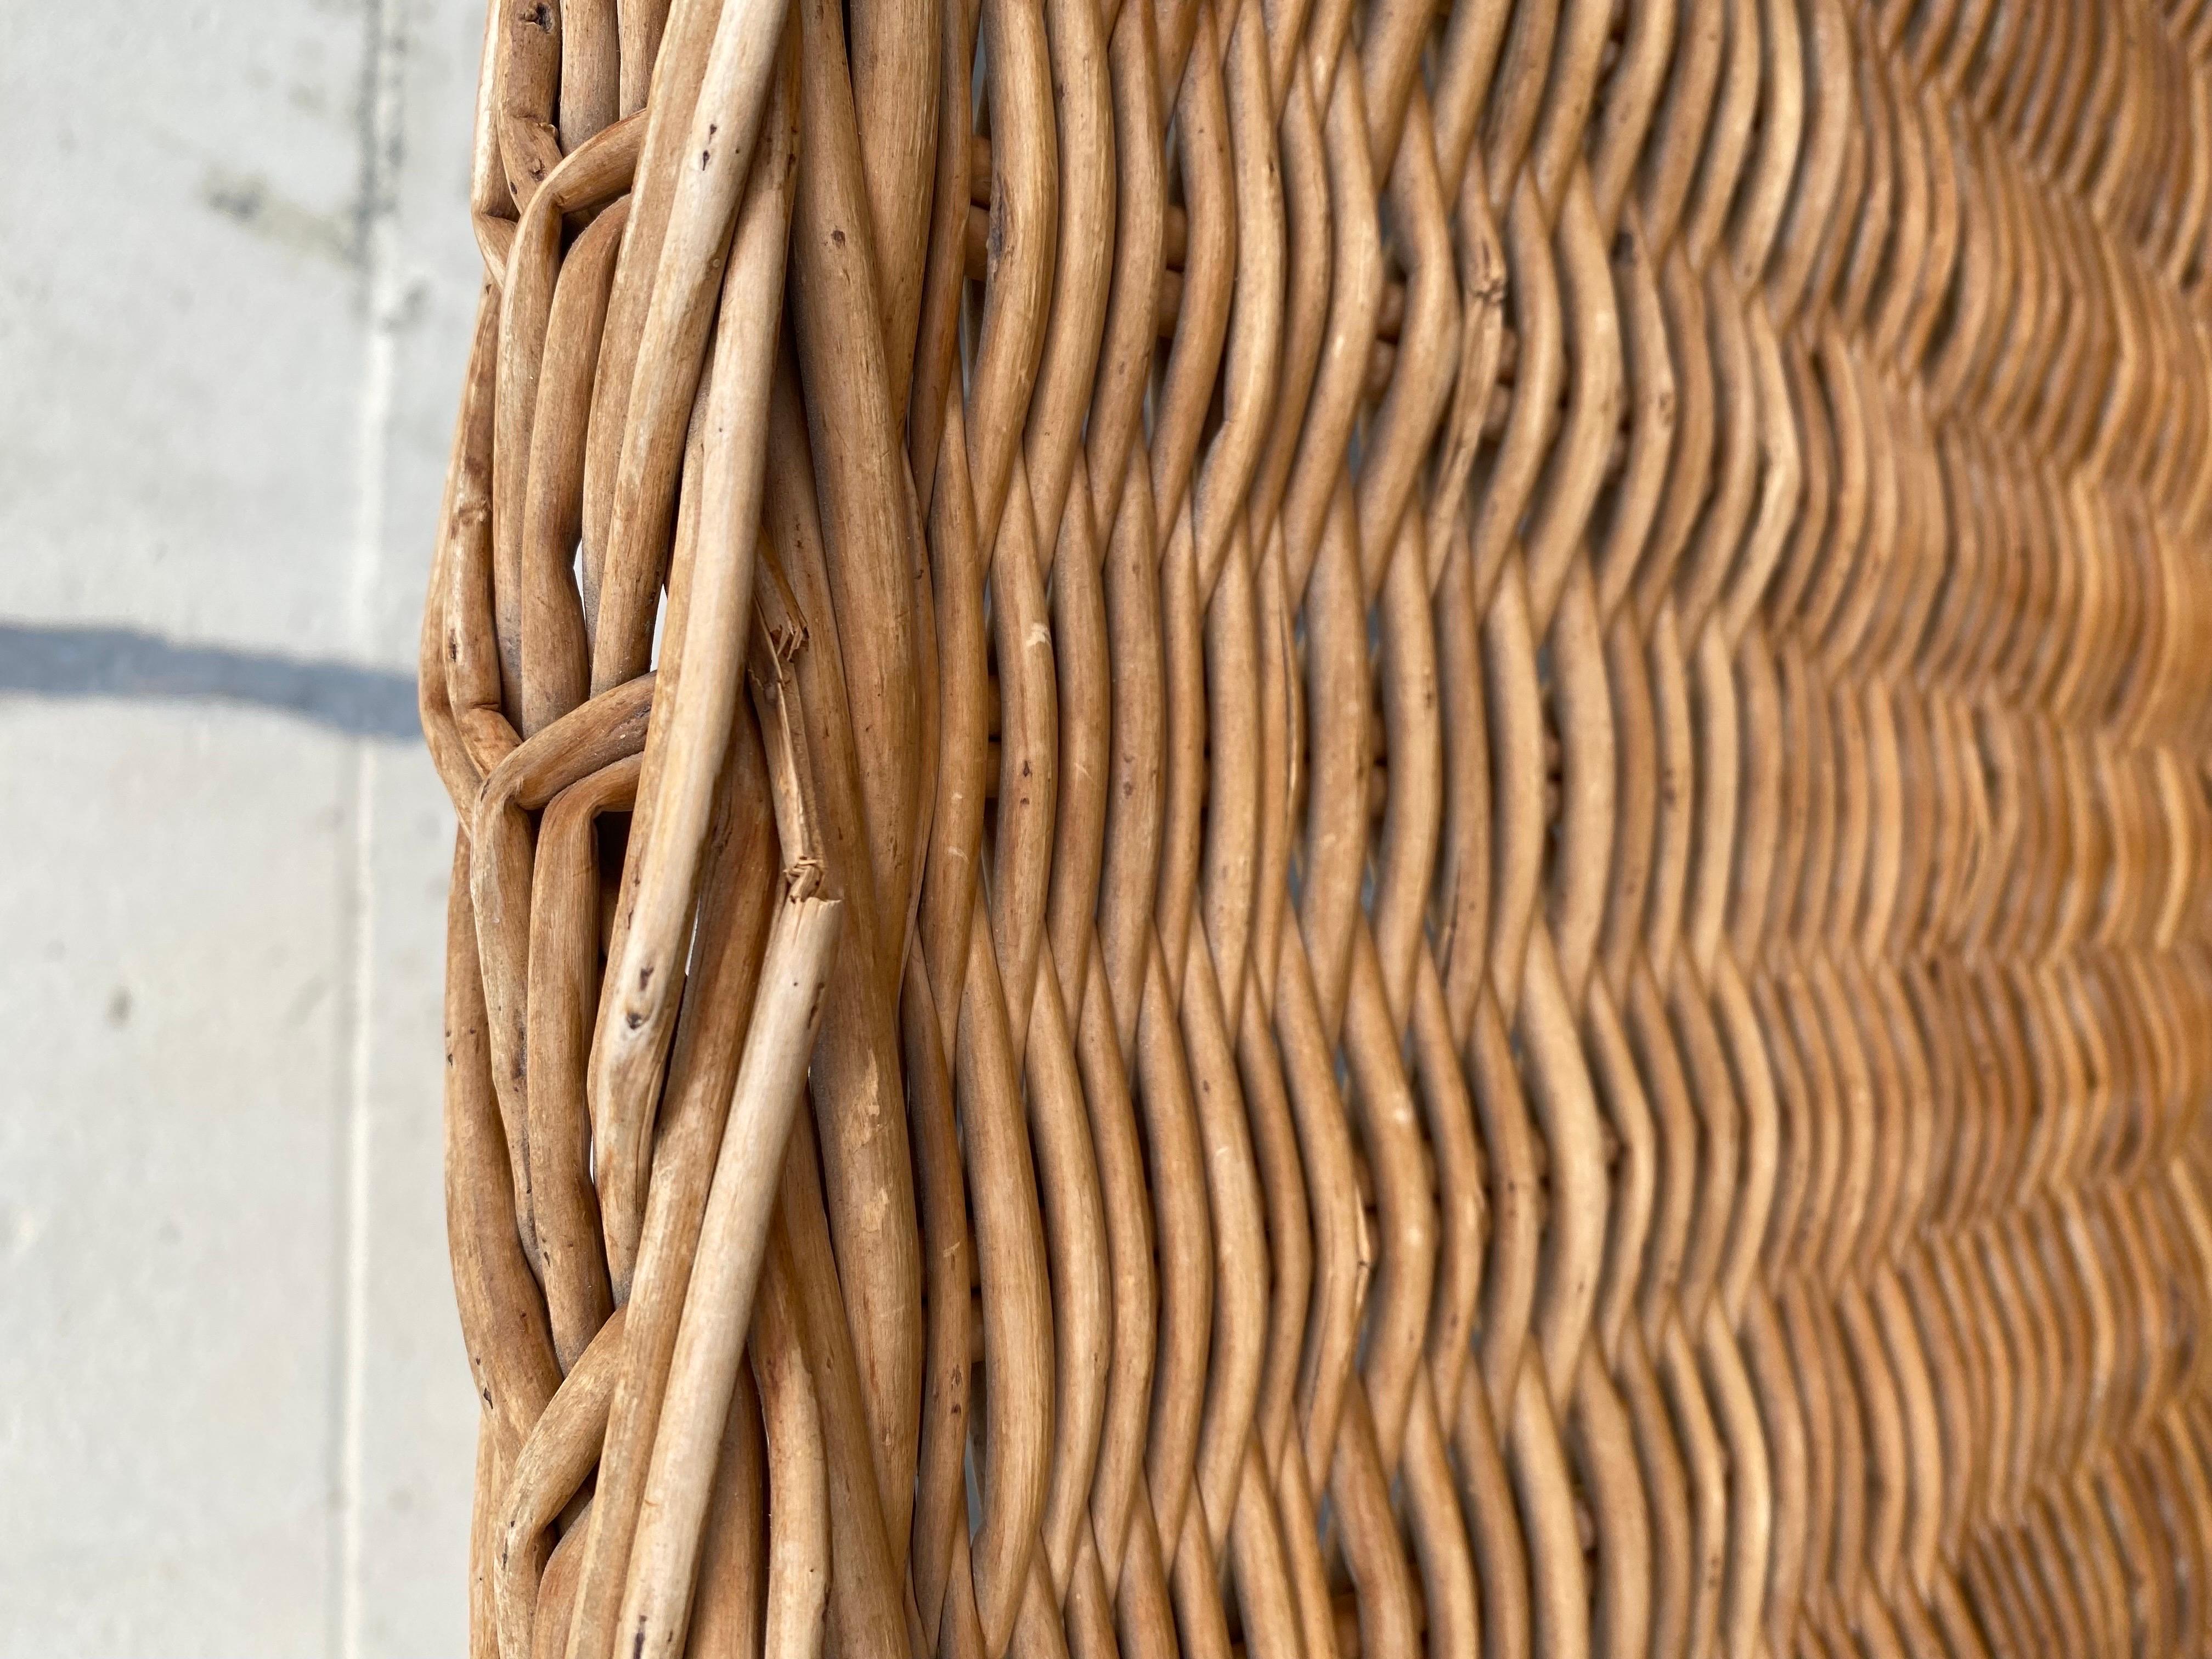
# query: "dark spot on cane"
{"type": "Point", "coordinates": [633, 1019]}
{"type": "Point", "coordinates": [838, 237]}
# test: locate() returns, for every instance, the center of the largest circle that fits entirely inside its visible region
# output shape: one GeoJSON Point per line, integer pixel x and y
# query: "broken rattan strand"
{"type": "Point", "coordinates": [1333, 827]}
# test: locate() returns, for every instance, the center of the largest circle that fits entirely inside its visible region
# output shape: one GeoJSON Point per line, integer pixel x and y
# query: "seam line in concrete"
{"type": "Point", "coordinates": [381, 134]}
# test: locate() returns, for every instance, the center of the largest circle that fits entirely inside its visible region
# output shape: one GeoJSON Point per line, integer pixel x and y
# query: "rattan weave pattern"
{"type": "Point", "coordinates": [1334, 826]}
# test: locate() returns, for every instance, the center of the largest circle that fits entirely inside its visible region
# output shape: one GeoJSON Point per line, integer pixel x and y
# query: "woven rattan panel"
{"type": "Point", "coordinates": [1324, 828]}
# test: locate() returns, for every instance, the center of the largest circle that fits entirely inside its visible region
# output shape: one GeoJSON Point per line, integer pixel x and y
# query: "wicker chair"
{"type": "Point", "coordinates": [1333, 829]}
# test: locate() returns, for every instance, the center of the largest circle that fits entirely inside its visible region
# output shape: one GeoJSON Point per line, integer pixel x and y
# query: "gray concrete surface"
{"type": "Point", "coordinates": [235, 293]}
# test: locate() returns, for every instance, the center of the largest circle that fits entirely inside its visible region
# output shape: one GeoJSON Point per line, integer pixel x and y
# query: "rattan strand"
{"type": "Point", "coordinates": [1328, 827]}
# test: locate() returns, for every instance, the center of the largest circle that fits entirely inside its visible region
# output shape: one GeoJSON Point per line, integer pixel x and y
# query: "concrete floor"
{"type": "Point", "coordinates": [235, 293]}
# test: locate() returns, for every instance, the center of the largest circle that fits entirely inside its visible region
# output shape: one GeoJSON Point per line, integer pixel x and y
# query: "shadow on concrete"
{"type": "Point", "coordinates": [64, 661]}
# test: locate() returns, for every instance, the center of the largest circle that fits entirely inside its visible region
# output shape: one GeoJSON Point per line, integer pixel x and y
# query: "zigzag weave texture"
{"type": "Point", "coordinates": [1313, 828]}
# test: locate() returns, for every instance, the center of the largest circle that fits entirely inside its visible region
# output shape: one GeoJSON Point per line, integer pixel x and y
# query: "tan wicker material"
{"type": "Point", "coordinates": [1334, 826]}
